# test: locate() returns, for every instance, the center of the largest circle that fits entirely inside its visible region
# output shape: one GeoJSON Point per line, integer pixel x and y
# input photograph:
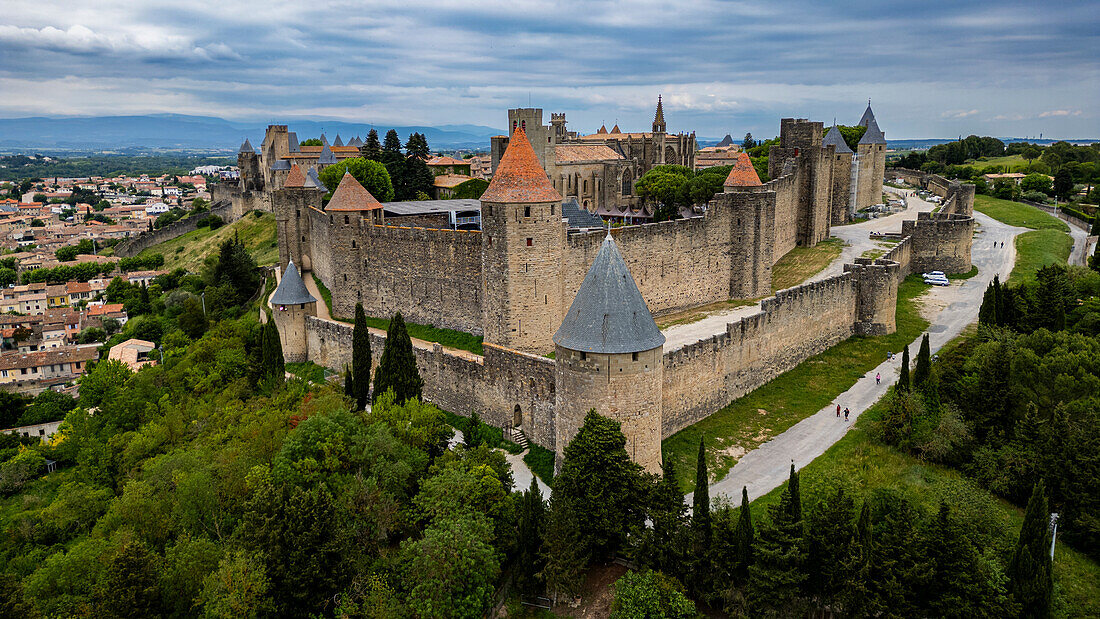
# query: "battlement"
{"type": "Point", "coordinates": [800, 133]}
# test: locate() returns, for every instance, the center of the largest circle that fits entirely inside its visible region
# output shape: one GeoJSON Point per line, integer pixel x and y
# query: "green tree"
{"type": "Point", "coordinates": [563, 551]}
{"type": "Point", "coordinates": [272, 368]}
{"type": "Point", "coordinates": [748, 142]}
{"type": "Point", "coordinates": [1052, 294]}
{"type": "Point", "coordinates": [372, 148]}
{"type": "Point", "coordinates": [829, 537]}
{"type": "Point", "coordinates": [360, 358]}
{"type": "Point", "coordinates": [700, 515]}
{"type": "Point", "coordinates": [371, 174]}
{"type": "Point", "coordinates": [452, 570]}
{"type": "Point", "coordinates": [192, 320]}
{"type": "Point", "coordinates": [471, 189]}
{"type": "Point", "coordinates": [529, 539]}
{"type": "Point", "coordinates": [397, 370]}
{"type": "Point", "coordinates": [662, 547]}
{"type": "Point", "coordinates": [903, 379]}
{"type": "Point", "coordinates": [955, 583]}
{"type": "Point", "coordinates": [650, 594]}
{"type": "Point", "coordinates": [235, 268]}
{"type": "Point", "coordinates": [132, 585]}
{"type": "Point", "coordinates": [7, 277]}
{"type": "Point", "coordinates": [777, 575]}
{"type": "Point", "coordinates": [923, 372]}
{"type": "Point", "coordinates": [1030, 153]}
{"type": "Point", "coordinates": [604, 484]}
{"type": "Point", "coordinates": [1063, 184]}
{"type": "Point", "coordinates": [746, 536]}
{"type": "Point", "coordinates": [855, 596]}
{"type": "Point", "coordinates": [1029, 573]}
{"type": "Point", "coordinates": [1036, 182]}
{"type": "Point", "coordinates": [239, 587]}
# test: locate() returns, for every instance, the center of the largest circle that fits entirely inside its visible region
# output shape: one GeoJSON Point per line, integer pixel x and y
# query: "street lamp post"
{"type": "Point", "coordinates": [1053, 532]}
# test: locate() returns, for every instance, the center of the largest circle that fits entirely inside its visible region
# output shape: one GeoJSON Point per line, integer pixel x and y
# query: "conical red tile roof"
{"type": "Point", "coordinates": [743, 173]}
{"type": "Point", "coordinates": [351, 196]}
{"type": "Point", "coordinates": [295, 180]}
{"type": "Point", "coordinates": [519, 177]}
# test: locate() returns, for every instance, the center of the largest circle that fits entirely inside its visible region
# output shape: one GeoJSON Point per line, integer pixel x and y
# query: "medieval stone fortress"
{"type": "Point", "coordinates": [566, 306]}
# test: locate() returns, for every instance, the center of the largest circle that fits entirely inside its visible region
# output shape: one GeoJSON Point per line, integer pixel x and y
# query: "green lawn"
{"type": "Point", "coordinates": [1009, 163]}
{"type": "Point", "coordinates": [742, 426]}
{"type": "Point", "coordinates": [429, 333]}
{"type": "Point", "coordinates": [1048, 243]}
{"type": "Point", "coordinates": [861, 465]}
{"type": "Point", "coordinates": [802, 263]}
{"type": "Point", "coordinates": [189, 250]}
{"type": "Point", "coordinates": [1018, 214]}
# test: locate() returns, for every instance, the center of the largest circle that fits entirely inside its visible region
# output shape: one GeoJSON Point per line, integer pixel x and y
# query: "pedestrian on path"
{"type": "Point", "coordinates": [878, 378]}
{"type": "Point", "coordinates": [846, 414]}
{"type": "Point", "coordinates": [838, 411]}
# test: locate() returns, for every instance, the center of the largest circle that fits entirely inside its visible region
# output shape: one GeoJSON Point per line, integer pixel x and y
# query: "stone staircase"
{"type": "Point", "coordinates": [518, 437]}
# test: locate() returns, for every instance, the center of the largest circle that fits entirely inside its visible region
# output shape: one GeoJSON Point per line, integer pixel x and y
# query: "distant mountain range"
{"type": "Point", "coordinates": [177, 131]}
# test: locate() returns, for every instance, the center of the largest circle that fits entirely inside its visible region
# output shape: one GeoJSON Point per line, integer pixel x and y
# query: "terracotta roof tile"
{"type": "Point", "coordinates": [519, 177]}
{"type": "Point", "coordinates": [295, 179]}
{"type": "Point", "coordinates": [743, 173]}
{"type": "Point", "coordinates": [568, 153]}
{"type": "Point", "coordinates": [351, 196]}
{"type": "Point", "coordinates": [448, 181]}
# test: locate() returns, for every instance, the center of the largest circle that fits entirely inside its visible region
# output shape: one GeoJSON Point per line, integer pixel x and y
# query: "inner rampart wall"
{"type": "Point", "coordinates": [792, 326]}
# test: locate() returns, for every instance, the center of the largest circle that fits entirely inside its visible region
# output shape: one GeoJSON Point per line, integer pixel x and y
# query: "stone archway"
{"type": "Point", "coordinates": [517, 417]}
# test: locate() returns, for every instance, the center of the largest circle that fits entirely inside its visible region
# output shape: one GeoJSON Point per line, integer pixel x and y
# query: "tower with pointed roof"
{"type": "Point", "coordinates": [840, 198]}
{"type": "Point", "coordinates": [291, 304]}
{"type": "Point", "coordinates": [248, 162]}
{"type": "Point", "coordinates": [659, 129]}
{"type": "Point", "coordinates": [292, 204]}
{"type": "Point", "coordinates": [608, 356]}
{"type": "Point", "coordinates": [522, 243]}
{"type": "Point", "coordinates": [869, 162]}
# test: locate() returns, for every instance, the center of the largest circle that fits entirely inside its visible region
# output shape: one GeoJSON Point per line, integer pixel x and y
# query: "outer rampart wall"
{"type": "Point", "coordinates": [135, 245]}
{"type": "Point", "coordinates": [792, 326]}
{"type": "Point", "coordinates": [460, 382]}
{"type": "Point", "coordinates": [939, 242]}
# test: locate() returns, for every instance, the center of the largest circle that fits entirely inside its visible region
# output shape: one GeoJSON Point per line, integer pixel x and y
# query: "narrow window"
{"type": "Point", "coordinates": [353, 243]}
{"type": "Point", "coordinates": [633, 356]}
{"type": "Point", "coordinates": [527, 211]}
{"type": "Point", "coordinates": [584, 355]}
{"type": "Point", "coordinates": [551, 210]}
{"type": "Point", "coordinates": [346, 220]}
{"type": "Point", "coordinates": [297, 212]}
{"type": "Point", "coordinates": [530, 241]}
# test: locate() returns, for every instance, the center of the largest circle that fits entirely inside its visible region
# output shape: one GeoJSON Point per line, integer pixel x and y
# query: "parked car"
{"type": "Point", "coordinates": [937, 281]}
{"type": "Point", "coordinates": [936, 274]}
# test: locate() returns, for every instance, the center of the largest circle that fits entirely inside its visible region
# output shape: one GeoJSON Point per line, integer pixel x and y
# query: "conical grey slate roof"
{"type": "Point", "coordinates": [246, 147]}
{"type": "Point", "coordinates": [324, 140]}
{"type": "Point", "coordinates": [291, 290]}
{"type": "Point", "coordinates": [726, 141]}
{"type": "Point", "coordinates": [579, 217]}
{"type": "Point", "coordinates": [314, 180]}
{"type": "Point", "coordinates": [292, 142]}
{"type": "Point", "coordinates": [609, 314]}
{"type": "Point", "coordinates": [356, 142]}
{"type": "Point", "coordinates": [281, 164]}
{"type": "Point", "coordinates": [835, 138]}
{"type": "Point", "coordinates": [337, 141]}
{"type": "Point", "coordinates": [873, 134]}
{"type": "Point", "coordinates": [868, 115]}
{"type": "Point", "coordinates": [326, 157]}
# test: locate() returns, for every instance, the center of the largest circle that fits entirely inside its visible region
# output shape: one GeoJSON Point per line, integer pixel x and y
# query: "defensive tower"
{"type": "Point", "coordinates": [292, 303]}
{"type": "Point", "coordinates": [608, 356]}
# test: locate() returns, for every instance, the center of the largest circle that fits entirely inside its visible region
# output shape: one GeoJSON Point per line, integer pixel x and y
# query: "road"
{"type": "Point", "coordinates": [768, 466]}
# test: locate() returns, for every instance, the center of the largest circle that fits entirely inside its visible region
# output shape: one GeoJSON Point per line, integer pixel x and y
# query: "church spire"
{"type": "Point", "coordinates": [659, 117]}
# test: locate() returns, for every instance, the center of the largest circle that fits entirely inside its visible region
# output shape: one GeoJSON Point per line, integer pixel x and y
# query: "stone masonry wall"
{"type": "Point", "coordinates": [939, 242]}
{"type": "Point", "coordinates": [135, 245]}
{"type": "Point", "coordinates": [792, 326]}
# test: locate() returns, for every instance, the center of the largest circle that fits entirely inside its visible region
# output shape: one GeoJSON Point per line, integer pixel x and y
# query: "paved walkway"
{"type": "Point", "coordinates": [520, 472]}
{"type": "Point", "coordinates": [768, 466]}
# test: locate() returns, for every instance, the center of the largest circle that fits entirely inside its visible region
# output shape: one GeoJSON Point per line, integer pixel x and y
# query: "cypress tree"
{"type": "Point", "coordinates": [746, 536]}
{"type": "Point", "coordinates": [924, 364]}
{"type": "Point", "coordinates": [829, 536]}
{"type": "Point", "coordinates": [271, 352]}
{"type": "Point", "coordinates": [776, 575]}
{"type": "Point", "coordinates": [397, 369]}
{"type": "Point", "coordinates": [987, 315]}
{"type": "Point", "coordinates": [372, 148]}
{"type": "Point", "coordinates": [472, 436]}
{"type": "Point", "coordinates": [563, 551]}
{"type": "Point", "coordinates": [662, 547]}
{"type": "Point", "coordinates": [360, 358]}
{"type": "Point", "coordinates": [700, 515]}
{"type": "Point", "coordinates": [954, 582]}
{"type": "Point", "coordinates": [529, 530]}
{"type": "Point", "coordinates": [903, 380]}
{"type": "Point", "coordinates": [1051, 293]}
{"type": "Point", "coordinates": [349, 384]}
{"type": "Point", "coordinates": [998, 297]}
{"type": "Point", "coordinates": [856, 597]}
{"type": "Point", "coordinates": [1029, 573]}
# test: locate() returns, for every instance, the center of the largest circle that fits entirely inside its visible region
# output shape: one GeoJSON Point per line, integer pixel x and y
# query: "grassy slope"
{"type": "Point", "coordinates": [189, 250]}
{"type": "Point", "coordinates": [862, 465]}
{"type": "Point", "coordinates": [802, 263]}
{"type": "Point", "coordinates": [1048, 243]}
{"type": "Point", "coordinates": [793, 396]}
{"type": "Point", "coordinates": [1011, 161]}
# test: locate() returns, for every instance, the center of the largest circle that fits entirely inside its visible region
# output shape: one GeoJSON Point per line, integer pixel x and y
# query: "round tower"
{"type": "Point", "coordinates": [291, 304]}
{"type": "Point", "coordinates": [609, 357]}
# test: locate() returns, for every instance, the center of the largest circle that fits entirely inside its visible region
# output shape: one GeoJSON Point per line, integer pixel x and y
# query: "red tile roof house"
{"type": "Point", "coordinates": [35, 372]}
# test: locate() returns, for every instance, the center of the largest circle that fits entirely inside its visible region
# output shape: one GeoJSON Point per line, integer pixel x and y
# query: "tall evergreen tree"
{"type": "Point", "coordinates": [391, 149]}
{"type": "Point", "coordinates": [998, 297]}
{"type": "Point", "coordinates": [746, 537]}
{"type": "Point", "coordinates": [662, 546]}
{"type": "Point", "coordinates": [1051, 297]}
{"type": "Point", "coordinates": [397, 369]}
{"type": "Point", "coordinates": [271, 351]}
{"type": "Point", "coordinates": [395, 163]}
{"type": "Point", "coordinates": [954, 583]}
{"type": "Point", "coordinates": [987, 314]}
{"type": "Point", "coordinates": [856, 599]}
{"type": "Point", "coordinates": [829, 536]}
{"type": "Point", "coordinates": [472, 436]}
{"type": "Point", "coordinates": [530, 529]}
{"type": "Point", "coordinates": [700, 514]}
{"type": "Point", "coordinates": [372, 148]}
{"type": "Point", "coordinates": [349, 384]}
{"type": "Point", "coordinates": [1096, 252]}
{"type": "Point", "coordinates": [923, 372]}
{"type": "Point", "coordinates": [417, 146]}
{"type": "Point", "coordinates": [903, 379]}
{"type": "Point", "coordinates": [776, 577]}
{"type": "Point", "coordinates": [360, 358]}
{"type": "Point", "coordinates": [563, 551]}
{"type": "Point", "coordinates": [1029, 573]}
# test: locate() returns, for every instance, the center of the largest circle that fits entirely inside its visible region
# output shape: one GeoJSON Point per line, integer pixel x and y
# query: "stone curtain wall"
{"type": "Point", "coordinates": [791, 327]}
{"type": "Point", "coordinates": [320, 250]}
{"type": "Point", "coordinates": [939, 242]}
{"type": "Point", "coordinates": [459, 381]}
{"type": "Point", "coordinates": [135, 245]}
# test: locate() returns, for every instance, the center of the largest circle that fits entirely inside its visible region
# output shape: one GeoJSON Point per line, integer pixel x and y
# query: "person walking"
{"type": "Point", "coordinates": [846, 413]}
{"type": "Point", "coordinates": [878, 378]}
{"type": "Point", "coordinates": [838, 411]}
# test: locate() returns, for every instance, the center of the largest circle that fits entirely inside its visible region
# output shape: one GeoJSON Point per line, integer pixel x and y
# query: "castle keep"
{"type": "Point", "coordinates": [538, 279]}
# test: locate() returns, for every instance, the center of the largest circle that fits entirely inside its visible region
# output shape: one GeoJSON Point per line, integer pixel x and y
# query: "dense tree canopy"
{"type": "Point", "coordinates": [370, 174]}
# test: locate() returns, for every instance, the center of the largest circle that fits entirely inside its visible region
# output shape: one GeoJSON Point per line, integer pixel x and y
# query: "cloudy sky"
{"type": "Point", "coordinates": [931, 68]}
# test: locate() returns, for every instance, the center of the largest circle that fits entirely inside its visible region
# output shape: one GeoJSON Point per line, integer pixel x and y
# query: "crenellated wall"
{"type": "Point", "coordinates": [792, 326]}
{"type": "Point", "coordinates": [939, 242]}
